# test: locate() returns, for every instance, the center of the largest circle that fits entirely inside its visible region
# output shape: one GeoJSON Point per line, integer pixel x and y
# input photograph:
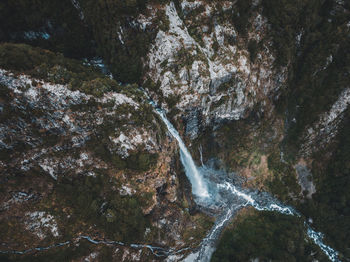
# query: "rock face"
{"type": "Point", "coordinates": [260, 86]}
{"type": "Point", "coordinates": [326, 128]}
{"type": "Point", "coordinates": [305, 180]}
{"type": "Point", "coordinates": [55, 110]}
{"type": "Point", "coordinates": [202, 63]}
{"type": "Point", "coordinates": [75, 163]}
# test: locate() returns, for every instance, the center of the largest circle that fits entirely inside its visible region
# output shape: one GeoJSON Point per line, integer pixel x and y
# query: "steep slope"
{"type": "Point", "coordinates": [81, 155]}
{"type": "Point", "coordinates": [259, 88]}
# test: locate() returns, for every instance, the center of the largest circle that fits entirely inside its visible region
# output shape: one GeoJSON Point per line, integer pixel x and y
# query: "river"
{"type": "Point", "coordinates": [214, 189]}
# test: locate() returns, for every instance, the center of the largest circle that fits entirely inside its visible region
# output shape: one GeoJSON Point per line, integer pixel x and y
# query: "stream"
{"type": "Point", "coordinates": [215, 190]}
{"type": "Point", "coordinates": [157, 251]}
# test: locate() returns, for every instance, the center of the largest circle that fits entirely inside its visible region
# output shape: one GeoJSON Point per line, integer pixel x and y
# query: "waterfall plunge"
{"type": "Point", "coordinates": [200, 189]}
{"type": "Point", "coordinates": [198, 186]}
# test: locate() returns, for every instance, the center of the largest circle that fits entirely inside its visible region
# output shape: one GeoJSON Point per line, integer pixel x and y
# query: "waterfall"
{"type": "Point", "coordinates": [199, 187]}
{"type": "Point", "coordinates": [225, 195]}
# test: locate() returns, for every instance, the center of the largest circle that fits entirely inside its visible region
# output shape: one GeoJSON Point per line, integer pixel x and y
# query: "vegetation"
{"type": "Point", "coordinates": [66, 253]}
{"type": "Point", "coordinates": [310, 37]}
{"type": "Point", "coordinates": [58, 18]}
{"type": "Point", "coordinates": [266, 236]}
{"type": "Point", "coordinates": [122, 52]}
{"type": "Point", "coordinates": [92, 201]}
{"type": "Point", "coordinates": [240, 18]}
{"type": "Point", "coordinates": [56, 68]}
{"type": "Point", "coordinates": [284, 182]}
{"type": "Point", "coordinates": [329, 207]}
{"type": "Point", "coordinates": [253, 50]}
{"type": "Point", "coordinates": [95, 34]}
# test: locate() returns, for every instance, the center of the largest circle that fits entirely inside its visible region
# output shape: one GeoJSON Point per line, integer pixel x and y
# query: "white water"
{"type": "Point", "coordinates": [199, 187]}
{"type": "Point", "coordinates": [220, 193]}
{"type": "Point", "coordinates": [224, 196]}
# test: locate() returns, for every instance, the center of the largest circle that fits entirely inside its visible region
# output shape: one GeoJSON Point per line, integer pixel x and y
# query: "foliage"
{"type": "Point", "coordinates": [54, 67]}
{"type": "Point", "coordinates": [329, 207]}
{"type": "Point", "coordinates": [267, 236]}
{"type": "Point", "coordinates": [59, 18]}
{"type": "Point", "coordinates": [311, 38]}
{"type": "Point", "coordinates": [66, 253]}
{"type": "Point", "coordinates": [240, 17]}
{"type": "Point", "coordinates": [93, 200]}
{"type": "Point", "coordinates": [138, 161]}
{"type": "Point", "coordinates": [305, 35]}
{"type": "Point", "coordinates": [110, 22]}
{"type": "Point", "coordinates": [96, 33]}
{"type": "Point", "coordinates": [141, 161]}
{"type": "Point", "coordinates": [284, 183]}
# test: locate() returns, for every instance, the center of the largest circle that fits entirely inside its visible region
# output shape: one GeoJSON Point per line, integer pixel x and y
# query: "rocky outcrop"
{"type": "Point", "coordinates": [53, 136]}
{"type": "Point", "coordinates": [201, 63]}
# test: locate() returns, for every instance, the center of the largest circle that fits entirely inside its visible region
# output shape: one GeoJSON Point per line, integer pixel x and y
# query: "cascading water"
{"type": "Point", "coordinates": [198, 185]}
{"type": "Point", "coordinates": [213, 190]}
{"type": "Point", "coordinates": [221, 194]}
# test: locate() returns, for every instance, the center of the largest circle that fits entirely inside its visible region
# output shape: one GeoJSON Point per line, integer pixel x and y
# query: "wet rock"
{"type": "Point", "coordinates": [193, 123]}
